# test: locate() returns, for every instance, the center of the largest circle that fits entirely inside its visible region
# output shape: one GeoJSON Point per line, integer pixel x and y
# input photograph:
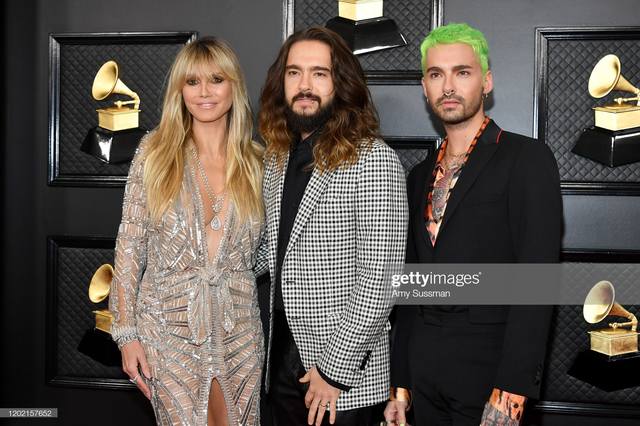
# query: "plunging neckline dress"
{"type": "Point", "coordinates": [195, 315]}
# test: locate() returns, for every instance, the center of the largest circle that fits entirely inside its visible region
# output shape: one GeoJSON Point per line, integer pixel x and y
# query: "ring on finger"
{"type": "Point", "coordinates": [135, 379]}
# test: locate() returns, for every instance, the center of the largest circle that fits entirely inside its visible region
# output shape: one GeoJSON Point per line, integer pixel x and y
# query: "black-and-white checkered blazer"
{"type": "Point", "coordinates": [351, 223]}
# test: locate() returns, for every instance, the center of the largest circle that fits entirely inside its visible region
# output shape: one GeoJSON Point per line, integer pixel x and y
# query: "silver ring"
{"type": "Point", "coordinates": [135, 379]}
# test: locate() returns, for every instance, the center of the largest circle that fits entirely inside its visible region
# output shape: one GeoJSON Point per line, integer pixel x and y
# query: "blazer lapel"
{"type": "Point", "coordinates": [273, 204]}
{"type": "Point", "coordinates": [315, 188]}
{"type": "Point", "coordinates": [482, 153]}
{"type": "Point", "coordinates": [422, 189]}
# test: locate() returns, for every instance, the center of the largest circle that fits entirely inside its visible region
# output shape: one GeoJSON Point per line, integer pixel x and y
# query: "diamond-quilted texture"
{"type": "Point", "coordinates": [74, 312]}
{"type": "Point", "coordinates": [569, 337]}
{"type": "Point", "coordinates": [142, 67]}
{"type": "Point", "coordinates": [568, 103]}
{"type": "Point", "coordinates": [413, 20]}
{"type": "Point", "coordinates": [409, 158]}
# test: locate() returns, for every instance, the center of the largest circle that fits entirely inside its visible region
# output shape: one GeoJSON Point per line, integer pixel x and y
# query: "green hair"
{"type": "Point", "coordinates": [458, 33]}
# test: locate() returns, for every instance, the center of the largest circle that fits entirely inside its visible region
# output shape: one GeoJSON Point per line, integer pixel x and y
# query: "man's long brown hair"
{"type": "Point", "coordinates": [354, 122]}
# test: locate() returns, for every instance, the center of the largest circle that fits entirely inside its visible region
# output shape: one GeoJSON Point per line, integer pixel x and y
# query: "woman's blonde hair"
{"type": "Point", "coordinates": [166, 150]}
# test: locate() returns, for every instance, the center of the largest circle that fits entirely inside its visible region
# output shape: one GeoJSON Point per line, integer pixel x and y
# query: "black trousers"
{"type": "Point", "coordinates": [286, 393]}
{"type": "Point", "coordinates": [453, 364]}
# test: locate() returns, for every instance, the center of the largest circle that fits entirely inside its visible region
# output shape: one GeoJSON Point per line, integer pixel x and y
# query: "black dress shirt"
{"type": "Point", "coordinates": [299, 170]}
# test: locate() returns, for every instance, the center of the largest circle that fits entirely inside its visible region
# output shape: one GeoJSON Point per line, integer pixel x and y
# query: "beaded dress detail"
{"type": "Point", "coordinates": [196, 315]}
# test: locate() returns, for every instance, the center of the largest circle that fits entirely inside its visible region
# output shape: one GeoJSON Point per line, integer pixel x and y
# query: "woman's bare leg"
{"type": "Point", "coordinates": [217, 412]}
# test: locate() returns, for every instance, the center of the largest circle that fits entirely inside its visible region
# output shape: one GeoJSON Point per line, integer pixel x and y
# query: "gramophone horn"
{"type": "Point", "coordinates": [101, 283]}
{"type": "Point", "coordinates": [598, 302]}
{"type": "Point", "coordinates": [107, 82]}
{"type": "Point", "coordinates": [606, 77]}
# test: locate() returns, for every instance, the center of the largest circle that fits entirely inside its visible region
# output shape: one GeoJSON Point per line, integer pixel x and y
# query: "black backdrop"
{"type": "Point", "coordinates": [33, 211]}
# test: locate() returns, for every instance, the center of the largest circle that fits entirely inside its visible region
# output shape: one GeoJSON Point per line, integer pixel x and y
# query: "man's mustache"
{"type": "Point", "coordinates": [448, 98]}
{"type": "Point", "coordinates": [303, 95]}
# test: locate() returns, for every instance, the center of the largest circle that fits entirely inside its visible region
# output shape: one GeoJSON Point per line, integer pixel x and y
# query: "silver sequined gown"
{"type": "Point", "coordinates": [196, 318]}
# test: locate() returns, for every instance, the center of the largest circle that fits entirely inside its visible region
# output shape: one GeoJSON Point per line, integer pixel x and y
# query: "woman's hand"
{"type": "Point", "coordinates": [134, 361]}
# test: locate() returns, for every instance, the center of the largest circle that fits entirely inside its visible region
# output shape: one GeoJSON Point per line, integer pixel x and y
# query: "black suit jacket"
{"type": "Point", "coordinates": [506, 207]}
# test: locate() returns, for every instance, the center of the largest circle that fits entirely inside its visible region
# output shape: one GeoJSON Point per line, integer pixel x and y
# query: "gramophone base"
{"type": "Point", "coordinates": [367, 35]}
{"type": "Point", "coordinates": [116, 119]}
{"type": "Point", "coordinates": [112, 147]}
{"type": "Point", "coordinates": [99, 346]}
{"type": "Point", "coordinates": [104, 320]}
{"type": "Point", "coordinates": [605, 372]}
{"type": "Point", "coordinates": [613, 342]}
{"type": "Point", "coordinates": [610, 147]}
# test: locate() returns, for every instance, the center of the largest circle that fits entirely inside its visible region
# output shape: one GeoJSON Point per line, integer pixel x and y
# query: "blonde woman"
{"type": "Point", "coordinates": [183, 293]}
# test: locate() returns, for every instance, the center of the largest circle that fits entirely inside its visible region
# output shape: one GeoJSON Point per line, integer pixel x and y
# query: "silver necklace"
{"type": "Point", "coordinates": [217, 201]}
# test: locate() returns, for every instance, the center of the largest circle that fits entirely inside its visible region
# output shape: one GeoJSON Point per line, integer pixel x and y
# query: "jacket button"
{"type": "Point", "coordinates": [538, 376]}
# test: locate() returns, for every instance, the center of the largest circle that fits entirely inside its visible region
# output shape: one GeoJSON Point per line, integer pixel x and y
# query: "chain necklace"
{"type": "Point", "coordinates": [217, 201]}
{"type": "Point", "coordinates": [453, 161]}
{"type": "Point", "coordinates": [440, 189]}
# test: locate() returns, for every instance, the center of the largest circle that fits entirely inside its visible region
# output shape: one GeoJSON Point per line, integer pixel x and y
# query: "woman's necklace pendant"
{"type": "Point", "coordinates": [216, 223]}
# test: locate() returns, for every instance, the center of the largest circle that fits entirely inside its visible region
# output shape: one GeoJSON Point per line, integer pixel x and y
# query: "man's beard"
{"type": "Point", "coordinates": [307, 123]}
{"type": "Point", "coordinates": [469, 109]}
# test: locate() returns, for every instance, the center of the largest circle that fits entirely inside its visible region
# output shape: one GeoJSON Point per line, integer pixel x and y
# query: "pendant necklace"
{"type": "Point", "coordinates": [217, 200]}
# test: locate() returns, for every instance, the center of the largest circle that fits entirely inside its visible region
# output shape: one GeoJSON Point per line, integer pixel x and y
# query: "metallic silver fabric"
{"type": "Point", "coordinates": [196, 315]}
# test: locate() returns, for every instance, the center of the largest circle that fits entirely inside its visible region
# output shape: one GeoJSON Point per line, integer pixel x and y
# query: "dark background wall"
{"type": "Point", "coordinates": [32, 210]}
{"type": "Point", "coordinates": [35, 210]}
{"type": "Point", "coordinates": [591, 222]}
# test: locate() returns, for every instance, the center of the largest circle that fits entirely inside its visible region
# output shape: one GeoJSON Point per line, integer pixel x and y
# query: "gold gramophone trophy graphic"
{"type": "Point", "coordinates": [362, 25]}
{"type": "Point", "coordinates": [615, 138]}
{"type": "Point", "coordinates": [99, 288]}
{"type": "Point", "coordinates": [118, 133]}
{"type": "Point", "coordinates": [97, 342]}
{"type": "Point", "coordinates": [616, 339]}
{"type": "Point", "coordinates": [613, 360]}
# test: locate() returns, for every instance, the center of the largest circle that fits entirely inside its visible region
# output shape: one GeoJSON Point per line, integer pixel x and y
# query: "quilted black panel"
{"type": "Point", "coordinates": [143, 63]}
{"type": "Point", "coordinates": [569, 337]}
{"type": "Point", "coordinates": [412, 17]}
{"type": "Point", "coordinates": [142, 68]}
{"type": "Point", "coordinates": [73, 313]}
{"type": "Point", "coordinates": [410, 153]}
{"type": "Point", "coordinates": [568, 103]}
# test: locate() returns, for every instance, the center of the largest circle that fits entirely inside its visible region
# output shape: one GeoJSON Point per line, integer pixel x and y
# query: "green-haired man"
{"type": "Point", "coordinates": [486, 196]}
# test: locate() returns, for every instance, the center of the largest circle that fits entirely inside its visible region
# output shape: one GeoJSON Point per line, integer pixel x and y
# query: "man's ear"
{"type": "Point", "coordinates": [424, 88]}
{"type": "Point", "coordinates": [487, 87]}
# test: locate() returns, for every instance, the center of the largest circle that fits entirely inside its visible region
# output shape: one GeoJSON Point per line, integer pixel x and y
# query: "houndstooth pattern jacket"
{"type": "Point", "coordinates": [350, 224]}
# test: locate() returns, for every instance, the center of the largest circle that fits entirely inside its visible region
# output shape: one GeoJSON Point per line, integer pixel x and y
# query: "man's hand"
{"type": "Point", "coordinates": [395, 412]}
{"type": "Point", "coordinates": [320, 394]}
{"type": "Point", "coordinates": [493, 417]}
{"type": "Point", "coordinates": [503, 409]}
